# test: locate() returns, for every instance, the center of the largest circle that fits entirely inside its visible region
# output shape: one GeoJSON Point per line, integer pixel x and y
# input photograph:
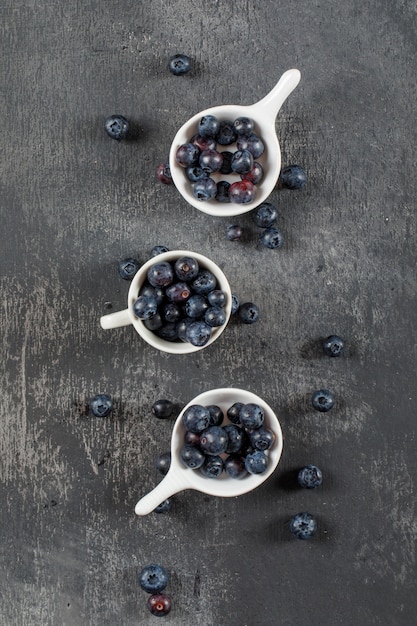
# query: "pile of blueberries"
{"type": "Point", "coordinates": [237, 448]}
{"type": "Point", "coordinates": [201, 158]}
{"type": "Point", "coordinates": [181, 301]}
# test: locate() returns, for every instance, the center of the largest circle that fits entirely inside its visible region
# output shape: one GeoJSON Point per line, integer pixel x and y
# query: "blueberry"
{"type": "Point", "coordinates": [128, 268]}
{"type": "Point", "coordinates": [153, 578]}
{"type": "Point", "coordinates": [212, 467]}
{"type": "Point", "coordinates": [205, 189]}
{"type": "Point", "coordinates": [251, 142]}
{"type": "Point", "coordinates": [265, 215]}
{"type": "Point", "coordinates": [160, 274]}
{"type": "Point", "coordinates": [192, 438]}
{"type": "Point", "coordinates": [198, 333]}
{"type": "Point", "coordinates": [310, 477]}
{"type": "Point", "coordinates": [226, 167]}
{"type": "Point", "coordinates": [216, 415]}
{"type": "Point", "coordinates": [204, 143]}
{"type": "Point", "coordinates": [159, 604]}
{"type": "Point", "coordinates": [255, 175]}
{"type": "Point", "coordinates": [210, 161]}
{"type": "Point", "coordinates": [101, 405]}
{"type": "Point", "coordinates": [242, 162]}
{"type": "Point", "coordinates": [293, 177]}
{"type": "Point", "coordinates": [233, 412]}
{"type": "Point", "coordinates": [163, 173]}
{"type": "Point", "coordinates": [145, 307]}
{"type": "Point", "coordinates": [244, 125]}
{"type": "Point", "coordinates": [156, 250]}
{"type": "Point", "coordinates": [236, 437]}
{"type": "Point", "coordinates": [178, 292]}
{"type": "Point", "coordinates": [272, 238]}
{"type": "Point", "coordinates": [222, 193]}
{"type": "Point", "coordinates": [226, 134]}
{"type": "Point", "coordinates": [251, 416]}
{"type": "Point", "coordinates": [242, 192]}
{"type": "Point", "coordinates": [164, 507]}
{"type": "Point", "coordinates": [215, 316]}
{"type": "Point", "coordinates": [167, 332]}
{"type": "Point", "coordinates": [179, 64]}
{"type": "Point", "coordinates": [163, 463]}
{"type": "Point", "coordinates": [213, 440]}
{"type": "Point", "coordinates": [196, 418]}
{"type": "Point", "coordinates": [262, 438]}
{"type": "Point", "coordinates": [333, 346]}
{"type": "Point", "coordinates": [204, 282]}
{"type": "Point", "coordinates": [182, 326]}
{"type": "Point", "coordinates": [154, 323]}
{"type": "Point", "coordinates": [191, 456]}
{"type": "Point", "coordinates": [248, 313]}
{"type": "Point", "coordinates": [162, 409]}
{"type": "Point", "coordinates": [208, 126]}
{"type": "Point", "coordinates": [234, 466]}
{"type": "Point", "coordinates": [195, 173]}
{"type": "Point", "coordinates": [303, 525]}
{"type": "Point", "coordinates": [217, 297]}
{"type": "Point", "coordinates": [196, 306]}
{"type": "Point", "coordinates": [117, 127]}
{"type": "Point", "coordinates": [172, 312]}
{"type": "Point", "coordinates": [256, 462]}
{"type": "Point", "coordinates": [235, 303]}
{"type": "Point", "coordinates": [234, 232]}
{"type": "Point", "coordinates": [186, 268]}
{"type": "Point", "coordinates": [322, 400]}
{"type": "Point", "coordinates": [187, 154]}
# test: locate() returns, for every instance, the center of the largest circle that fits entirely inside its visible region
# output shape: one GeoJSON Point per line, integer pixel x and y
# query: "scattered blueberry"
{"type": "Point", "coordinates": [128, 268]}
{"type": "Point", "coordinates": [159, 604]}
{"type": "Point", "coordinates": [162, 409]}
{"type": "Point", "coordinates": [153, 578]}
{"type": "Point", "coordinates": [272, 238]}
{"type": "Point", "coordinates": [303, 525]}
{"type": "Point", "coordinates": [322, 400]}
{"type": "Point", "coordinates": [101, 405]}
{"type": "Point", "coordinates": [158, 250]}
{"type": "Point", "coordinates": [333, 346]}
{"type": "Point", "coordinates": [164, 507]}
{"type": "Point", "coordinates": [248, 313]}
{"type": "Point", "coordinates": [234, 232]}
{"type": "Point", "coordinates": [310, 477]}
{"type": "Point", "coordinates": [235, 303]}
{"type": "Point", "coordinates": [179, 64]}
{"type": "Point", "coordinates": [265, 215]}
{"type": "Point", "coordinates": [117, 127]}
{"type": "Point", "coordinates": [163, 173]}
{"type": "Point", "coordinates": [163, 462]}
{"type": "Point", "coordinates": [293, 177]}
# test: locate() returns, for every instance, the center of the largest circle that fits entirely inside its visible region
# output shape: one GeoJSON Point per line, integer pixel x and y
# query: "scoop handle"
{"type": "Point", "coordinates": [171, 484]}
{"type": "Point", "coordinates": [115, 320]}
{"type": "Point", "coordinates": [273, 101]}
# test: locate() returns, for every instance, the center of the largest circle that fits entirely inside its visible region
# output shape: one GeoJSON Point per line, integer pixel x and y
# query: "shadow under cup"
{"type": "Point", "coordinates": [127, 316]}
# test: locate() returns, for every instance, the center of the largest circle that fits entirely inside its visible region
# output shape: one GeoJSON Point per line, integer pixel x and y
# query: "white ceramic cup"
{"type": "Point", "coordinates": [127, 316]}
{"type": "Point", "coordinates": [264, 113]}
{"type": "Point", "coordinates": [180, 478]}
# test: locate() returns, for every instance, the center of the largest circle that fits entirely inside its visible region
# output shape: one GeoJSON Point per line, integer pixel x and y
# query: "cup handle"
{"type": "Point", "coordinates": [273, 101]}
{"type": "Point", "coordinates": [115, 320]}
{"type": "Point", "coordinates": [166, 488]}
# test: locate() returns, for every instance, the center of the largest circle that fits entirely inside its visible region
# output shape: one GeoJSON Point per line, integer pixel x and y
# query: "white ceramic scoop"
{"type": "Point", "coordinates": [264, 113]}
{"type": "Point", "coordinates": [180, 477]}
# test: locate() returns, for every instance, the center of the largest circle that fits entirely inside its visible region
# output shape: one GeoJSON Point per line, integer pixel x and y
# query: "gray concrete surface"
{"type": "Point", "coordinates": [74, 203]}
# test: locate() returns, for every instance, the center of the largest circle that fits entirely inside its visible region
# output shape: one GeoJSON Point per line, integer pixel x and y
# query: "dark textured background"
{"type": "Point", "coordinates": [74, 203]}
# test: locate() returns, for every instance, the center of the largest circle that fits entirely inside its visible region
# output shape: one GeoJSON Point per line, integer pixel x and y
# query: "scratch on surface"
{"type": "Point", "coordinates": [88, 452]}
